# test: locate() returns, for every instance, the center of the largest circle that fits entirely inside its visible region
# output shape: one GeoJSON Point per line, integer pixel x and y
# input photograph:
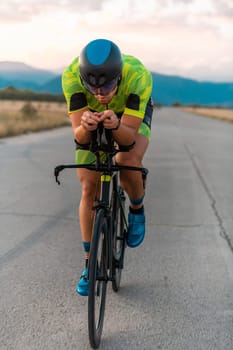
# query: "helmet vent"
{"type": "Point", "coordinates": [96, 81]}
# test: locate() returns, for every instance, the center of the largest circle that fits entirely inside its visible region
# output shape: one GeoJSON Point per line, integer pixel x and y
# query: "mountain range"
{"type": "Point", "coordinates": [167, 89]}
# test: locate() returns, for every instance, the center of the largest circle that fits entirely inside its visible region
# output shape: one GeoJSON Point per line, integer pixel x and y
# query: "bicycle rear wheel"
{"type": "Point", "coordinates": [119, 233]}
{"type": "Point", "coordinates": [97, 280]}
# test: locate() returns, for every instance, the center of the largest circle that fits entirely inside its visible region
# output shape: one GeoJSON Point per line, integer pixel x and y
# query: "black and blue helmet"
{"type": "Point", "coordinates": [100, 62]}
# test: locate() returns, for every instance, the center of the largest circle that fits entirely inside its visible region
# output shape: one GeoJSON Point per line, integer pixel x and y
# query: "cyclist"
{"type": "Point", "coordinates": [104, 85]}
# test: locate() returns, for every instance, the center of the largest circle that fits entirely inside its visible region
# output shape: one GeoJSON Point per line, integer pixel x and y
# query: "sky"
{"type": "Point", "coordinates": [189, 38]}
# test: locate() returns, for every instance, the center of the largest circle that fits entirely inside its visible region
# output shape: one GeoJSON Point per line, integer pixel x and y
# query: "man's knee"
{"type": "Point", "coordinates": [88, 189]}
{"type": "Point", "coordinates": [132, 157]}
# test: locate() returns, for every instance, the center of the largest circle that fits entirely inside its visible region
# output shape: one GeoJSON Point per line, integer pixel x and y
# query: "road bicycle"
{"type": "Point", "coordinates": [110, 227]}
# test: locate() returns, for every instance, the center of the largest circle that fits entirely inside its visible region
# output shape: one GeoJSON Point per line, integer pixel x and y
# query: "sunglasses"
{"type": "Point", "coordinates": [104, 90]}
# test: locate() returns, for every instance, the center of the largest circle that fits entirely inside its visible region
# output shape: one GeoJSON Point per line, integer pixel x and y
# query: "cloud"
{"type": "Point", "coordinates": [26, 10]}
{"type": "Point", "coordinates": [223, 8]}
{"type": "Point", "coordinates": [192, 15]}
{"type": "Point", "coordinates": [173, 36]}
{"type": "Point", "coordinates": [23, 10]}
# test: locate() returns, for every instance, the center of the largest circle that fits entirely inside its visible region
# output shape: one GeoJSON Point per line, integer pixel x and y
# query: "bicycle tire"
{"type": "Point", "coordinates": [118, 208]}
{"type": "Point", "coordinates": [97, 279]}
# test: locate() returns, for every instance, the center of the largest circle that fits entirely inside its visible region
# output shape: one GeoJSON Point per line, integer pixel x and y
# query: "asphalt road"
{"type": "Point", "coordinates": [177, 287]}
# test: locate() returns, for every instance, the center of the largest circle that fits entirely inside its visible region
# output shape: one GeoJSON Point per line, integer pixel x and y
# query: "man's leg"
{"type": "Point", "coordinates": [89, 180]}
{"type": "Point", "coordinates": [132, 182]}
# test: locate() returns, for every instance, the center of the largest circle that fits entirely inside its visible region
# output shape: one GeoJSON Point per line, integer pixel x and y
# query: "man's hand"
{"type": "Point", "coordinates": [109, 119]}
{"type": "Point", "coordinates": [90, 120]}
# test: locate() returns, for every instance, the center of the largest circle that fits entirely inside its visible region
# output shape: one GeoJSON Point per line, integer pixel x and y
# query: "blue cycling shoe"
{"type": "Point", "coordinates": [83, 284]}
{"type": "Point", "coordinates": [136, 230]}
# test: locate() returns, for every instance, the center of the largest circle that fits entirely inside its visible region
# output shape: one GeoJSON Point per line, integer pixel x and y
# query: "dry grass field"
{"type": "Point", "coordinates": [219, 113]}
{"type": "Point", "coordinates": [19, 117]}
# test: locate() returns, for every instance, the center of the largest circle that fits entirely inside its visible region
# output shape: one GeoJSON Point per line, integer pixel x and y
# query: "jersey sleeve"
{"type": "Point", "coordinates": [72, 89]}
{"type": "Point", "coordinates": [139, 94]}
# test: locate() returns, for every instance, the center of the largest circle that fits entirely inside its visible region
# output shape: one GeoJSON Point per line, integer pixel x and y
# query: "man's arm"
{"type": "Point", "coordinates": [83, 122]}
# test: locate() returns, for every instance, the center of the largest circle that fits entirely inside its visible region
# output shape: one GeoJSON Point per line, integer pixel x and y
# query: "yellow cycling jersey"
{"type": "Point", "coordinates": [131, 98]}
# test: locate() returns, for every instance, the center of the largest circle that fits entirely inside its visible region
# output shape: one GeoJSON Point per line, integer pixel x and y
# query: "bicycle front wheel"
{"type": "Point", "coordinates": [97, 279]}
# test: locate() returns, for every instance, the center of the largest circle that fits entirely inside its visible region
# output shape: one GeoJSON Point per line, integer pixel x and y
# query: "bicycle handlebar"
{"type": "Point", "coordinates": [102, 141]}
{"type": "Point", "coordinates": [102, 168]}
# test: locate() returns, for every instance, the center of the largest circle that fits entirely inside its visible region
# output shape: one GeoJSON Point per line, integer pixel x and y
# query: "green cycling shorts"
{"type": "Point", "coordinates": [87, 157]}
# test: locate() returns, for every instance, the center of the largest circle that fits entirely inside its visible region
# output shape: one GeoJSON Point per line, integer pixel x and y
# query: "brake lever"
{"type": "Point", "coordinates": [57, 171]}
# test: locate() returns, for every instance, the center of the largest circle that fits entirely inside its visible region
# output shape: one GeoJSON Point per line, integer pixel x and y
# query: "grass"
{"type": "Point", "coordinates": [20, 117]}
{"type": "Point", "coordinates": [219, 113]}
